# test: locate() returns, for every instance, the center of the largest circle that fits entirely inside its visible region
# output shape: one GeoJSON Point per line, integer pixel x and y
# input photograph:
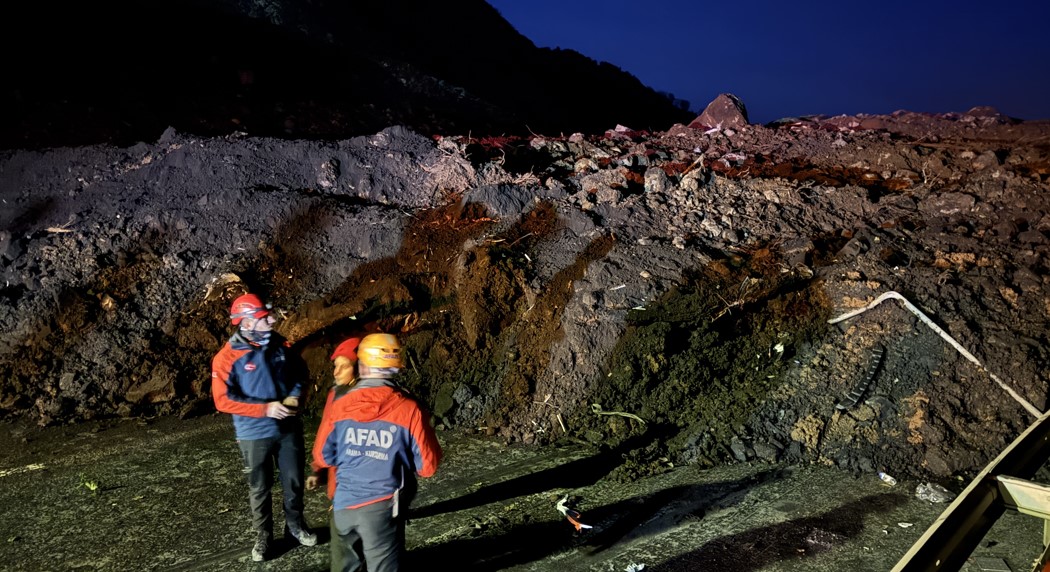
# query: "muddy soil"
{"type": "Point", "coordinates": [167, 494]}
{"type": "Point", "coordinates": [663, 295]}
{"type": "Point", "coordinates": [593, 288]}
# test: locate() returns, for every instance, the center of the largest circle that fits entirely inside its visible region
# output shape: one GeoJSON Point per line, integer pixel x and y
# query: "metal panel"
{"type": "Point", "coordinates": [1024, 496]}
{"type": "Point", "coordinates": [952, 537]}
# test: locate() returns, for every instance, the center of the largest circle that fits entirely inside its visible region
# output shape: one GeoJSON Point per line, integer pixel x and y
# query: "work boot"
{"type": "Point", "coordinates": [262, 545]}
{"type": "Point", "coordinates": [302, 534]}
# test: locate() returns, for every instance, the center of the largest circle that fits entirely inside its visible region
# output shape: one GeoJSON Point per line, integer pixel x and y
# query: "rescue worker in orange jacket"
{"type": "Point", "coordinates": [378, 439]}
{"type": "Point", "coordinates": [256, 378]}
{"type": "Point", "coordinates": [345, 374]}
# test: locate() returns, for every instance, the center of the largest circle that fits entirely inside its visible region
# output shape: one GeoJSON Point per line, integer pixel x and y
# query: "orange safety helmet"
{"type": "Point", "coordinates": [379, 351]}
{"type": "Point", "coordinates": [248, 306]}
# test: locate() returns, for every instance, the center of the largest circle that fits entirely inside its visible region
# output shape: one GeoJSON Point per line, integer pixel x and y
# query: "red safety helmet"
{"type": "Point", "coordinates": [248, 306]}
{"type": "Point", "coordinates": [347, 349]}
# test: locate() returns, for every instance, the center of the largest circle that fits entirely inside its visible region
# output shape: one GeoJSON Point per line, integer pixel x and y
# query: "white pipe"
{"type": "Point", "coordinates": [891, 294]}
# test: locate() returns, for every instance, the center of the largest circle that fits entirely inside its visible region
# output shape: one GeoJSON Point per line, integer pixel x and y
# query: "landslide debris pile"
{"type": "Point", "coordinates": [664, 288]}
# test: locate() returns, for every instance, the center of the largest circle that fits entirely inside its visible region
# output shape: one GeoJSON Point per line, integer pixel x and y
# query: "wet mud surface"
{"type": "Point", "coordinates": [168, 495]}
{"type": "Point", "coordinates": [660, 300]}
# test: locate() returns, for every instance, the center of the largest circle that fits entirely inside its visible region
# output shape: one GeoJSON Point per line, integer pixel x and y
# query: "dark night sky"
{"type": "Point", "coordinates": [813, 57]}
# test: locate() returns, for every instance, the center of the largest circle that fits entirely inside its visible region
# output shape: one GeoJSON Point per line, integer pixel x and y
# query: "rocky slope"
{"type": "Point", "coordinates": [668, 290]}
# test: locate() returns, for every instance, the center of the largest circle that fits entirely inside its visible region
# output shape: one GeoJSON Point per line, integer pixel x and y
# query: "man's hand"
{"type": "Point", "coordinates": [276, 410]}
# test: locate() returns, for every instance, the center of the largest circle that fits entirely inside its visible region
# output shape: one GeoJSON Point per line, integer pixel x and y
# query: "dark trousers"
{"type": "Point", "coordinates": [382, 538]}
{"type": "Point", "coordinates": [259, 456]}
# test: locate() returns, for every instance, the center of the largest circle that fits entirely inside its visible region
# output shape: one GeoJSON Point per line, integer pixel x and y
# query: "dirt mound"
{"type": "Point", "coordinates": [673, 286]}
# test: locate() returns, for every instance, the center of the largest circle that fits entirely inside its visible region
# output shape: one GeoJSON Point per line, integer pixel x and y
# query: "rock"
{"type": "Point", "coordinates": [462, 394]}
{"type": "Point", "coordinates": [590, 299]}
{"type": "Point", "coordinates": [741, 450]}
{"type": "Point", "coordinates": [328, 174]}
{"type": "Point", "coordinates": [1032, 237]}
{"type": "Point", "coordinates": [948, 204]}
{"type": "Point", "coordinates": [605, 184]}
{"type": "Point", "coordinates": [983, 111]}
{"type": "Point", "coordinates": [985, 160]}
{"type": "Point", "coordinates": [158, 387]}
{"type": "Point", "coordinates": [5, 244]}
{"type": "Point", "coordinates": [585, 165]}
{"type": "Point", "coordinates": [67, 384]}
{"type": "Point", "coordinates": [766, 452]}
{"type": "Point", "coordinates": [725, 111]}
{"type": "Point", "coordinates": [936, 462]}
{"type": "Point", "coordinates": [608, 195]}
{"type": "Point", "coordinates": [852, 248]}
{"type": "Point", "coordinates": [656, 180]}
{"type": "Point", "coordinates": [872, 123]}
{"type": "Point", "coordinates": [795, 251]}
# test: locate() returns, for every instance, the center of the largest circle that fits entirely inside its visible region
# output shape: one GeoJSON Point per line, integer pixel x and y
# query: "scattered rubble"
{"type": "Point", "coordinates": [681, 278]}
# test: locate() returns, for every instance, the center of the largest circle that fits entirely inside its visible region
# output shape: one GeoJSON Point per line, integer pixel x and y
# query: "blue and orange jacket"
{"type": "Point", "coordinates": [320, 469]}
{"type": "Point", "coordinates": [372, 435]}
{"type": "Point", "coordinates": [245, 377]}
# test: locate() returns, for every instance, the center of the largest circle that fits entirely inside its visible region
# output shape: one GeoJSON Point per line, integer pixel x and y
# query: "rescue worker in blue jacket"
{"type": "Point", "coordinates": [378, 439]}
{"type": "Point", "coordinates": [344, 376]}
{"type": "Point", "coordinates": [256, 378]}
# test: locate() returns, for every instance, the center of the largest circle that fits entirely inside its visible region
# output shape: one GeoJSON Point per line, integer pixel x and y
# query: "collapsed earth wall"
{"type": "Point", "coordinates": [668, 290]}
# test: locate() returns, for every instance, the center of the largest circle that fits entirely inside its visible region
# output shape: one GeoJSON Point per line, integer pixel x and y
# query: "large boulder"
{"type": "Point", "coordinates": [726, 111]}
